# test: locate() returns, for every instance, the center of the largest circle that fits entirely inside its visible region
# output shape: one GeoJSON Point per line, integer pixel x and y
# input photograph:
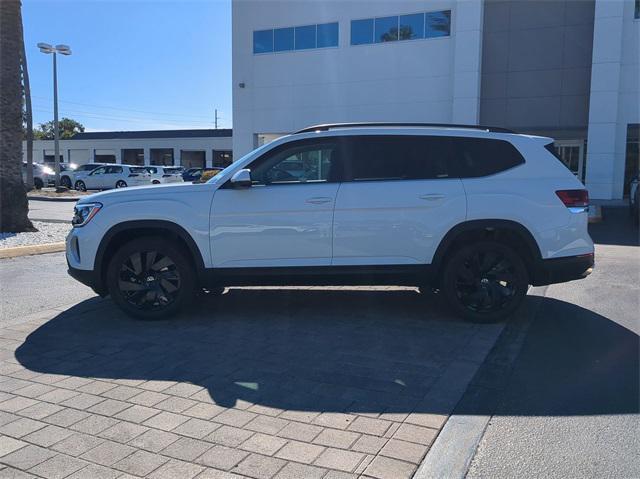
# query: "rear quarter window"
{"type": "Point", "coordinates": [485, 156]}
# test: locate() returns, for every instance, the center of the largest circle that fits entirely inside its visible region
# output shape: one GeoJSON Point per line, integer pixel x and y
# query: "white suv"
{"type": "Point", "coordinates": [476, 213]}
{"type": "Point", "coordinates": [111, 176]}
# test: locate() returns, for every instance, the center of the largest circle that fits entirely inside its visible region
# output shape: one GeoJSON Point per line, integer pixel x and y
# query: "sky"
{"type": "Point", "coordinates": [135, 65]}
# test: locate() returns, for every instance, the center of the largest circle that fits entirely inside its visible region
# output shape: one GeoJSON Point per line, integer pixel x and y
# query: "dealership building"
{"type": "Point", "coordinates": [189, 148]}
{"type": "Point", "coordinates": [568, 69]}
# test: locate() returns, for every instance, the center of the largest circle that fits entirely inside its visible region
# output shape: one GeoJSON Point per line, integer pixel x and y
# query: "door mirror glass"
{"type": "Point", "coordinates": [241, 179]}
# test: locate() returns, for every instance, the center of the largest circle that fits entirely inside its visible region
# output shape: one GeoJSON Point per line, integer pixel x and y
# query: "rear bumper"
{"type": "Point", "coordinates": [560, 270]}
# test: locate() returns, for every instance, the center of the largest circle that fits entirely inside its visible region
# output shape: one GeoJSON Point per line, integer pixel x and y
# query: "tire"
{"type": "Point", "coordinates": [121, 184]}
{"type": "Point", "coordinates": [485, 282]}
{"type": "Point", "coordinates": [66, 182]}
{"type": "Point", "coordinates": [151, 278]}
{"type": "Point", "coordinates": [37, 183]}
{"type": "Point", "coordinates": [80, 186]}
{"type": "Point", "coordinates": [155, 182]}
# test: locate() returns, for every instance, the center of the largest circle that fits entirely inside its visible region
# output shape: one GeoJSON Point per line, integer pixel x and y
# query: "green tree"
{"type": "Point", "coordinates": [14, 206]}
{"type": "Point", "coordinates": [67, 128]}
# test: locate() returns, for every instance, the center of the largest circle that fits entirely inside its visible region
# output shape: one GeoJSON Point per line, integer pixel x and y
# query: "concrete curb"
{"type": "Point", "coordinates": [49, 198]}
{"type": "Point", "coordinates": [31, 250]}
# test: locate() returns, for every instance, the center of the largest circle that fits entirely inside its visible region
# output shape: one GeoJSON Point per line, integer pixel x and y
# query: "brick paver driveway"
{"type": "Point", "coordinates": [265, 383]}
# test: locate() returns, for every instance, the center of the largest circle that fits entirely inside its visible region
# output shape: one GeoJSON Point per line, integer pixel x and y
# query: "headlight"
{"type": "Point", "coordinates": [48, 171]}
{"type": "Point", "coordinates": [83, 213]}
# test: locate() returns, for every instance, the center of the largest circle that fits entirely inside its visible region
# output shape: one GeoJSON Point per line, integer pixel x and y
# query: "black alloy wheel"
{"type": "Point", "coordinates": [485, 282]}
{"type": "Point", "coordinates": [121, 184]}
{"type": "Point", "coordinates": [151, 278]}
{"type": "Point", "coordinates": [80, 186]}
{"type": "Point", "coordinates": [66, 182]}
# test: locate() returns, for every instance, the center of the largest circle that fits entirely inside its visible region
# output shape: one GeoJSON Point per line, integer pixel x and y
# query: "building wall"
{"type": "Point", "coordinates": [82, 151]}
{"type": "Point", "coordinates": [430, 80]}
{"type": "Point", "coordinates": [536, 66]}
{"type": "Point", "coordinates": [615, 96]}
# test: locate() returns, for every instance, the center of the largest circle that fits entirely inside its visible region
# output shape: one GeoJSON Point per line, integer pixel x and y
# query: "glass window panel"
{"type": "Point", "coordinates": [328, 35]}
{"type": "Point", "coordinates": [386, 29]}
{"type": "Point", "coordinates": [305, 37]}
{"type": "Point", "coordinates": [283, 39]}
{"type": "Point", "coordinates": [361, 31]}
{"type": "Point", "coordinates": [412, 26]}
{"type": "Point", "coordinates": [263, 41]}
{"type": "Point", "coordinates": [438, 24]}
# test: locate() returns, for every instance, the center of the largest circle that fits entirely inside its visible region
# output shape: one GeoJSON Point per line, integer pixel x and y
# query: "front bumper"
{"type": "Point", "coordinates": [561, 270]}
{"type": "Point", "coordinates": [88, 278]}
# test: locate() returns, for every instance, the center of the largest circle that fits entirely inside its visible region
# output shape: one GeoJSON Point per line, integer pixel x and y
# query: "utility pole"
{"type": "Point", "coordinates": [216, 119]}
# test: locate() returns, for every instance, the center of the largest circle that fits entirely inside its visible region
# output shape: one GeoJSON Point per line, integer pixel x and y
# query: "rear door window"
{"type": "Point", "coordinates": [398, 157]}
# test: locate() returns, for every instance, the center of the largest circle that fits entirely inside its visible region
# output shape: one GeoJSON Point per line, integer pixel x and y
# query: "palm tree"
{"type": "Point", "coordinates": [28, 111]}
{"type": "Point", "coordinates": [13, 196]}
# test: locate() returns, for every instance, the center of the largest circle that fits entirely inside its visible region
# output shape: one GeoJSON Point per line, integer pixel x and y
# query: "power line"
{"type": "Point", "coordinates": [122, 109]}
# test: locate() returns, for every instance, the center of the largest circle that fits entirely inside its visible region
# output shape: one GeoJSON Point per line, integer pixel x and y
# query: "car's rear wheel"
{"type": "Point", "coordinates": [485, 282]}
{"type": "Point", "coordinates": [80, 186]}
{"type": "Point", "coordinates": [151, 278]}
{"type": "Point", "coordinates": [65, 181]}
{"type": "Point", "coordinates": [155, 182]}
{"type": "Point", "coordinates": [121, 184]}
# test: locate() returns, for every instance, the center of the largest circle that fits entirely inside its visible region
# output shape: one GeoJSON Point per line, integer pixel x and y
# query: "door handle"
{"type": "Point", "coordinates": [319, 200]}
{"type": "Point", "coordinates": [431, 197]}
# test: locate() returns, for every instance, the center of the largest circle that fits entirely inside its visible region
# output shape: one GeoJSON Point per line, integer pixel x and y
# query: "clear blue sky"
{"type": "Point", "coordinates": [136, 65]}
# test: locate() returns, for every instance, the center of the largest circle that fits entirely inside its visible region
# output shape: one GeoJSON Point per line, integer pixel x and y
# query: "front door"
{"type": "Point", "coordinates": [397, 200]}
{"type": "Point", "coordinates": [95, 179]}
{"type": "Point", "coordinates": [571, 153]}
{"type": "Point", "coordinates": [285, 218]}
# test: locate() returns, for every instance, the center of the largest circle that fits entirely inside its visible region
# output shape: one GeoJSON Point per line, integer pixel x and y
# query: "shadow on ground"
{"type": "Point", "coordinates": [333, 350]}
{"type": "Point", "coordinates": [617, 228]}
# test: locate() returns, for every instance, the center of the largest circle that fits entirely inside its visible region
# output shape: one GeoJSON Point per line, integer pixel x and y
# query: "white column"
{"type": "Point", "coordinates": [118, 153]}
{"type": "Point", "coordinates": [176, 157]}
{"type": "Point", "coordinates": [467, 24]}
{"type": "Point", "coordinates": [147, 156]}
{"type": "Point", "coordinates": [604, 149]}
{"type": "Point", "coordinates": [208, 158]}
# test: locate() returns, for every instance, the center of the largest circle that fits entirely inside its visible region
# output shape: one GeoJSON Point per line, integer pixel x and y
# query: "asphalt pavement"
{"type": "Point", "coordinates": [568, 406]}
{"type": "Point", "coordinates": [56, 211]}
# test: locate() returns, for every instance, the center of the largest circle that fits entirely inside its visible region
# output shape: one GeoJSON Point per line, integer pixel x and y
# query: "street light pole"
{"type": "Point", "coordinates": [65, 50]}
{"type": "Point", "coordinates": [56, 130]}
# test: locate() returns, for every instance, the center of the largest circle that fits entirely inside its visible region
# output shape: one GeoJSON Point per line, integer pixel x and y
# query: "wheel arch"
{"type": "Point", "coordinates": [508, 232]}
{"type": "Point", "coordinates": [120, 233]}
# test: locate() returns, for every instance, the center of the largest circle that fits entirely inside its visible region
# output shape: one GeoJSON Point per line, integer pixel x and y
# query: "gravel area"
{"type": "Point", "coordinates": [47, 233]}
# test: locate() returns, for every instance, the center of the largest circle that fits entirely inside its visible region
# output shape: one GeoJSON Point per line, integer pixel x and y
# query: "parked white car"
{"type": "Point", "coordinates": [164, 174]}
{"type": "Point", "coordinates": [478, 213]}
{"type": "Point", "coordinates": [43, 175]}
{"type": "Point", "coordinates": [112, 176]}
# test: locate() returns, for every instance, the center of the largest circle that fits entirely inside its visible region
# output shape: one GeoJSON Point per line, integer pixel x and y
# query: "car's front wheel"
{"type": "Point", "coordinates": [66, 182]}
{"type": "Point", "coordinates": [485, 282]}
{"type": "Point", "coordinates": [80, 186]}
{"type": "Point", "coordinates": [121, 184]}
{"type": "Point", "coordinates": [151, 278]}
{"type": "Point", "coordinates": [37, 183]}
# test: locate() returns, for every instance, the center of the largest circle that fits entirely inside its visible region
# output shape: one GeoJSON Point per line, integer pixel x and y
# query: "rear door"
{"type": "Point", "coordinates": [399, 198]}
{"type": "Point", "coordinates": [112, 175]}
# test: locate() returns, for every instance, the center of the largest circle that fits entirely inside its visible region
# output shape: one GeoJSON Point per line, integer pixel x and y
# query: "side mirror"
{"type": "Point", "coordinates": [241, 179]}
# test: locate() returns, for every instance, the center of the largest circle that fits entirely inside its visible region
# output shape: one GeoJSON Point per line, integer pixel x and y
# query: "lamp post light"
{"type": "Point", "coordinates": [63, 50]}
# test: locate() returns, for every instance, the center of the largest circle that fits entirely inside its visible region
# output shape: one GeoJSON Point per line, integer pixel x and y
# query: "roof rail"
{"type": "Point", "coordinates": [330, 126]}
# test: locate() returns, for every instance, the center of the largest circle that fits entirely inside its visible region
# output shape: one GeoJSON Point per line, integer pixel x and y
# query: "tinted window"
{"type": "Point", "coordinates": [483, 157]}
{"type": "Point", "coordinates": [263, 41]}
{"type": "Point", "coordinates": [361, 31]}
{"type": "Point", "coordinates": [136, 170]}
{"type": "Point", "coordinates": [151, 170]}
{"type": "Point", "coordinates": [412, 26]}
{"type": "Point", "coordinates": [283, 39]}
{"type": "Point", "coordinates": [386, 29]}
{"type": "Point", "coordinates": [117, 169]}
{"type": "Point", "coordinates": [99, 171]}
{"type": "Point", "coordinates": [305, 37]}
{"type": "Point", "coordinates": [400, 157]}
{"type": "Point", "coordinates": [328, 35]}
{"type": "Point", "coordinates": [301, 162]}
{"type": "Point", "coordinates": [438, 24]}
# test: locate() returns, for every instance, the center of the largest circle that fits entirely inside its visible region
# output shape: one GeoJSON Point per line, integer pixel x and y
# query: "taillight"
{"type": "Point", "coordinates": [574, 198]}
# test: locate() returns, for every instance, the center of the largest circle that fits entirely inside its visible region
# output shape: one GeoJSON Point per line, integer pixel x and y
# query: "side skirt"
{"type": "Point", "coordinates": [398, 275]}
